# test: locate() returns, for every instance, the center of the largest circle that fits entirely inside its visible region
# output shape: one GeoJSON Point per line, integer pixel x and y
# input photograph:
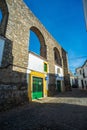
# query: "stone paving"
{"type": "Point", "coordinates": [66, 111]}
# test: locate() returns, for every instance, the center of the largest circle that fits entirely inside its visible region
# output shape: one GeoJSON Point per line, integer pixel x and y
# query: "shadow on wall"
{"type": "Point", "coordinates": [13, 84]}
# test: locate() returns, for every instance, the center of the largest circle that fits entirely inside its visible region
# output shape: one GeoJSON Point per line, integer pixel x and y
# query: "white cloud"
{"type": "Point", "coordinates": [75, 62]}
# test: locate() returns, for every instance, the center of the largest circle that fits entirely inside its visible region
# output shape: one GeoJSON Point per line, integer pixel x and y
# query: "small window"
{"type": "Point", "coordinates": [58, 70]}
{"type": "Point", "coordinates": [45, 67]}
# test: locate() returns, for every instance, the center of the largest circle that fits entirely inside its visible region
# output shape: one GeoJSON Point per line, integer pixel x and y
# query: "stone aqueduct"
{"type": "Point", "coordinates": [15, 25]}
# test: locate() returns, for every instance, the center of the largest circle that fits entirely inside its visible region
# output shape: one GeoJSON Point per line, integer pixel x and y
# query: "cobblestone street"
{"type": "Point", "coordinates": [66, 111]}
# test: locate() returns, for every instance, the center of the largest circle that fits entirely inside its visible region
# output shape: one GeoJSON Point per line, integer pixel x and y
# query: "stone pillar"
{"type": "Point", "coordinates": [4, 25]}
{"type": "Point", "coordinates": [5, 15]}
{"type": "Point", "coordinates": [65, 70]}
{"type": "Point", "coordinates": [43, 51]}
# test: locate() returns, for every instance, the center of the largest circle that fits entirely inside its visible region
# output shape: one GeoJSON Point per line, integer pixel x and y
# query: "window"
{"type": "Point", "coordinates": [58, 70]}
{"type": "Point", "coordinates": [83, 73]}
{"type": "Point", "coordinates": [45, 67]}
{"type": "Point", "coordinates": [80, 71]}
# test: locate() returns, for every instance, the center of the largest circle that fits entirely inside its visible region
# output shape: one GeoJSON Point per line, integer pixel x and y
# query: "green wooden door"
{"type": "Point", "coordinates": [59, 86]}
{"type": "Point", "coordinates": [37, 90]}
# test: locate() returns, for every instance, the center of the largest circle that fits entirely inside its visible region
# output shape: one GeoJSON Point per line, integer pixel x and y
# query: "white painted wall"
{"type": "Point", "coordinates": [2, 43]}
{"type": "Point", "coordinates": [35, 63]}
{"type": "Point", "coordinates": [72, 81]}
{"type": "Point", "coordinates": [78, 73]}
{"type": "Point", "coordinates": [80, 76]}
{"type": "Point", "coordinates": [59, 77]}
{"type": "Point", "coordinates": [79, 83]}
{"type": "Point", "coordinates": [85, 69]}
{"type": "Point", "coordinates": [61, 71]}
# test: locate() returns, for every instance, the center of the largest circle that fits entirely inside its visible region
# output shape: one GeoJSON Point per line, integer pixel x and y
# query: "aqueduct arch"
{"type": "Point", "coordinates": [16, 29]}
{"type": "Point", "coordinates": [5, 14]}
{"type": "Point", "coordinates": [43, 51]}
{"type": "Point", "coordinates": [57, 57]}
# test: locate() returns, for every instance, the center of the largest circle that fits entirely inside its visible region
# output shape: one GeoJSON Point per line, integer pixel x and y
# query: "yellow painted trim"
{"type": "Point", "coordinates": [39, 75]}
{"type": "Point", "coordinates": [29, 88]}
{"type": "Point", "coordinates": [47, 66]}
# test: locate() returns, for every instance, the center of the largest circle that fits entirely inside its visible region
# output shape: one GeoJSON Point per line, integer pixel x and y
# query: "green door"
{"type": "Point", "coordinates": [59, 86]}
{"type": "Point", "coordinates": [37, 90]}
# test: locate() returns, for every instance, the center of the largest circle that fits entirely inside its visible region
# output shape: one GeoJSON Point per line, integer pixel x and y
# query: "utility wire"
{"type": "Point", "coordinates": [78, 58]}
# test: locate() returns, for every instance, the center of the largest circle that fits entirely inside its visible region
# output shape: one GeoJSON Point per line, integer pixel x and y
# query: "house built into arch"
{"type": "Point", "coordinates": [24, 71]}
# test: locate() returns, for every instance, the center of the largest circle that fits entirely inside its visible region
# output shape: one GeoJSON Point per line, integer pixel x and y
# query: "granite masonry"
{"type": "Point", "coordinates": [17, 21]}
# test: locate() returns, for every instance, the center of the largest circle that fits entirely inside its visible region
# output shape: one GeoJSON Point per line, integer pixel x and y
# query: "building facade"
{"type": "Point", "coordinates": [82, 76]}
{"type": "Point", "coordinates": [21, 70]}
{"type": "Point", "coordinates": [73, 80]}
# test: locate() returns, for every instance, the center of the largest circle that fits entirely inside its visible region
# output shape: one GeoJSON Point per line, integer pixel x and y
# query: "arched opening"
{"type": "Point", "coordinates": [34, 44]}
{"type": "Point", "coordinates": [0, 16]}
{"type": "Point", "coordinates": [3, 17]}
{"type": "Point", "coordinates": [37, 42]}
{"type": "Point", "coordinates": [57, 57]}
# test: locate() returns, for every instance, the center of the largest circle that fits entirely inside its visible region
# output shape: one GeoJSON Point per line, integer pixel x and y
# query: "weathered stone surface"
{"type": "Point", "coordinates": [16, 30]}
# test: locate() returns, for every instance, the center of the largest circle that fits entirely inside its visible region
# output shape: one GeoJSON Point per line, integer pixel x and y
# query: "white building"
{"type": "Point", "coordinates": [38, 76]}
{"type": "Point", "coordinates": [73, 80]}
{"type": "Point", "coordinates": [82, 76]}
{"type": "Point", "coordinates": [59, 78]}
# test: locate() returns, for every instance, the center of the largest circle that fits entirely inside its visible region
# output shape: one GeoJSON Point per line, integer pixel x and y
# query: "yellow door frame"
{"type": "Point", "coordinates": [39, 75]}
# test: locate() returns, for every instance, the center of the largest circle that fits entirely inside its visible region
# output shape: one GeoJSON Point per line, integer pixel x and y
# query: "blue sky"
{"type": "Point", "coordinates": [64, 19]}
{"type": "Point", "coordinates": [0, 15]}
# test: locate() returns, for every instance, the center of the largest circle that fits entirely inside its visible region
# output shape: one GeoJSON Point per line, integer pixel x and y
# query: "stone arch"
{"type": "Point", "coordinates": [57, 57]}
{"type": "Point", "coordinates": [43, 51]}
{"type": "Point", "coordinates": [5, 14]}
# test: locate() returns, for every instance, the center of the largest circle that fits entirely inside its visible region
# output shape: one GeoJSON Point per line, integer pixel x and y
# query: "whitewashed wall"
{"type": "Point", "coordinates": [59, 77]}
{"type": "Point", "coordinates": [80, 76]}
{"type": "Point", "coordinates": [72, 81]}
{"type": "Point", "coordinates": [2, 42]}
{"type": "Point", "coordinates": [35, 63]}
{"type": "Point", "coordinates": [85, 79]}
{"type": "Point", "coordinates": [61, 71]}
{"type": "Point", "coordinates": [79, 83]}
{"type": "Point", "coordinates": [85, 69]}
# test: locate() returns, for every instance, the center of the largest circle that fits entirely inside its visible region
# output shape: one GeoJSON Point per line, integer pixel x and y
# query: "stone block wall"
{"type": "Point", "coordinates": [7, 54]}
{"type": "Point", "coordinates": [11, 96]}
{"type": "Point", "coordinates": [16, 28]}
{"type": "Point", "coordinates": [65, 70]}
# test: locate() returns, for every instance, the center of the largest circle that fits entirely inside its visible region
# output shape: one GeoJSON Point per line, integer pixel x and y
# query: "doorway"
{"type": "Point", "coordinates": [37, 87]}
{"type": "Point", "coordinates": [58, 85]}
